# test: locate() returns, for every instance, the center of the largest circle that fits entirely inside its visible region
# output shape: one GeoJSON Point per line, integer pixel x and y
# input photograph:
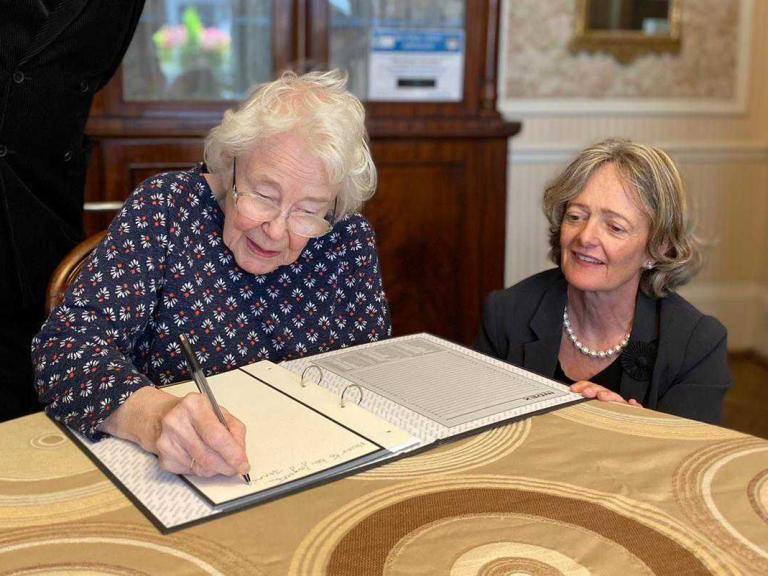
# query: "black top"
{"type": "Point", "coordinates": [609, 377]}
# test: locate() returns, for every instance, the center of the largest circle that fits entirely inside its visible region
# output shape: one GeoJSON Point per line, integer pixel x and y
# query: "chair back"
{"type": "Point", "coordinates": [68, 269]}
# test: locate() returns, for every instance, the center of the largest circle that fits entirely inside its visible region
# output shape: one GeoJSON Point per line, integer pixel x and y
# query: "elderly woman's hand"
{"type": "Point", "coordinates": [591, 390]}
{"type": "Point", "coordinates": [193, 441]}
{"type": "Point", "coordinates": [183, 432]}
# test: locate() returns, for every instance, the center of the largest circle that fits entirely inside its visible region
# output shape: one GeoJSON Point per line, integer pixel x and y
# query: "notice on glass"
{"type": "Point", "coordinates": [416, 65]}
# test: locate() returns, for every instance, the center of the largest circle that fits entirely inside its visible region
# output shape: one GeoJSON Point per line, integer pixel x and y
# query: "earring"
{"type": "Point", "coordinates": [649, 265]}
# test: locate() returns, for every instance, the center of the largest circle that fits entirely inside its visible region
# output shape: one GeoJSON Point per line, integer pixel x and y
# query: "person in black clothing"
{"type": "Point", "coordinates": [607, 320]}
{"type": "Point", "coordinates": [54, 55]}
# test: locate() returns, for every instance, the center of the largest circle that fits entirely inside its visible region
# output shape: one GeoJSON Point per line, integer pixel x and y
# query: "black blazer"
{"type": "Point", "coordinates": [675, 361]}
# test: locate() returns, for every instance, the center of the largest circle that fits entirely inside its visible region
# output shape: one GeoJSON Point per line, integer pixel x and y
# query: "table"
{"type": "Point", "coordinates": [594, 488]}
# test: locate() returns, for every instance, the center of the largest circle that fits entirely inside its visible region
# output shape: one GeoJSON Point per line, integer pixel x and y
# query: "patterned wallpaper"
{"type": "Point", "coordinates": [539, 65]}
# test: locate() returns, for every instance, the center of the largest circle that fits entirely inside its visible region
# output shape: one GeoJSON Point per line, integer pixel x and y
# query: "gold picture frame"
{"type": "Point", "coordinates": [624, 45]}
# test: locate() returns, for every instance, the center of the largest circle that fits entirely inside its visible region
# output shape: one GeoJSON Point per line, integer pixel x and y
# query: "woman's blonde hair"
{"type": "Point", "coordinates": [318, 107]}
{"type": "Point", "coordinates": [651, 176]}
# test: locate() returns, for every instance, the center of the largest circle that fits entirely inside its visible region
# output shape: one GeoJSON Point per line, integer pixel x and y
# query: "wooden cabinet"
{"type": "Point", "coordinates": [439, 212]}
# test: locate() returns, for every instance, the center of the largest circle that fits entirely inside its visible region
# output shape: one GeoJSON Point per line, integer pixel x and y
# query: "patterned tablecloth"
{"type": "Point", "coordinates": [590, 489]}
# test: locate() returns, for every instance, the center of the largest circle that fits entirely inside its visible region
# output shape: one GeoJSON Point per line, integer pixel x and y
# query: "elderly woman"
{"type": "Point", "coordinates": [608, 318]}
{"type": "Point", "coordinates": [256, 254]}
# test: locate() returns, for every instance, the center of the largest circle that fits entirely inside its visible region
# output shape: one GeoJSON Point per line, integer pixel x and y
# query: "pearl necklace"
{"type": "Point", "coordinates": [586, 350]}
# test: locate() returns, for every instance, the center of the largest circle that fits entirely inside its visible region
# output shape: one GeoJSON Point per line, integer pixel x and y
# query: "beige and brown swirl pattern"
{"type": "Point", "coordinates": [757, 491]}
{"type": "Point", "coordinates": [709, 489]}
{"type": "Point", "coordinates": [506, 566]}
{"type": "Point", "coordinates": [368, 535]}
{"type": "Point", "coordinates": [593, 489]}
{"type": "Point", "coordinates": [459, 456]}
{"type": "Point", "coordinates": [45, 478]}
{"type": "Point", "coordinates": [493, 541]}
{"type": "Point", "coordinates": [641, 422]}
{"type": "Point", "coordinates": [106, 548]}
{"type": "Point", "coordinates": [76, 569]}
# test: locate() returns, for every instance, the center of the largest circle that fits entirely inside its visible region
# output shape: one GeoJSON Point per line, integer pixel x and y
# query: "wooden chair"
{"type": "Point", "coordinates": [68, 269]}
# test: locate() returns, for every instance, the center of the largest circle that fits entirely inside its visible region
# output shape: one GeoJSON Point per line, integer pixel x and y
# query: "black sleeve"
{"type": "Point", "coordinates": [491, 339]}
{"type": "Point", "coordinates": [704, 379]}
{"type": "Point", "coordinates": [125, 27]}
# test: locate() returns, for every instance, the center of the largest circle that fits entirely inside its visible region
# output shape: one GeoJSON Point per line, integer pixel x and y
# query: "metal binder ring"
{"type": "Point", "coordinates": [304, 375]}
{"type": "Point", "coordinates": [360, 399]}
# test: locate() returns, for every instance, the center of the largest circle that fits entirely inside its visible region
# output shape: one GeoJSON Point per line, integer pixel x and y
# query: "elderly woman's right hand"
{"type": "Point", "coordinates": [183, 432]}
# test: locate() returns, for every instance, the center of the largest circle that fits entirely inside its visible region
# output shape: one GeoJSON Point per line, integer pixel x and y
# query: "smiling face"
{"type": "Point", "coordinates": [603, 236]}
{"type": "Point", "coordinates": [285, 172]}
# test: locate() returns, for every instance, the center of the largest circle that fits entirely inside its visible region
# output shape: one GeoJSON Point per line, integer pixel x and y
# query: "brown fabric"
{"type": "Point", "coordinates": [506, 566]}
{"type": "Point", "coordinates": [374, 537]}
{"type": "Point", "coordinates": [758, 485]}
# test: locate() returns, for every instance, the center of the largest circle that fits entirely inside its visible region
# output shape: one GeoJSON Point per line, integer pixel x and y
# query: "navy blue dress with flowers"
{"type": "Point", "coordinates": [163, 269]}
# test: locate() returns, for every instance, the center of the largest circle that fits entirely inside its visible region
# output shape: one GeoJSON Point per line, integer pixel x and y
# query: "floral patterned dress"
{"type": "Point", "coordinates": [163, 270]}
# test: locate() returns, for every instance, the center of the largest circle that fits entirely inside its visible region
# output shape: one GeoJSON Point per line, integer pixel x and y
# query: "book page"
{"type": "Point", "coordinates": [439, 386]}
{"type": "Point", "coordinates": [286, 440]}
{"type": "Point", "coordinates": [350, 414]}
{"type": "Point", "coordinates": [404, 418]}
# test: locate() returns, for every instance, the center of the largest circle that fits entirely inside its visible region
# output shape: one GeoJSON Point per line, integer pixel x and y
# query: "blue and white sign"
{"type": "Point", "coordinates": [416, 65]}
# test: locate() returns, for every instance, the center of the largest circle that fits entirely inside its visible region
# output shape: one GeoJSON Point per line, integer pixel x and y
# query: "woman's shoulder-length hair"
{"type": "Point", "coordinates": [651, 176]}
{"type": "Point", "coordinates": [318, 107]}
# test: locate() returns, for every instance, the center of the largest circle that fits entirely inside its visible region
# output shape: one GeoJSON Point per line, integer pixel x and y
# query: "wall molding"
{"type": "Point", "coordinates": [514, 108]}
{"type": "Point", "coordinates": [701, 152]}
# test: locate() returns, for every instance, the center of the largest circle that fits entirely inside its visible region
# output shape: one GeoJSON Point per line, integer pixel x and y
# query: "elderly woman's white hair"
{"type": "Point", "coordinates": [315, 105]}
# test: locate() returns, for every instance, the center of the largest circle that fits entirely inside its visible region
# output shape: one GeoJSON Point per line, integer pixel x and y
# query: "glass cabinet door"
{"type": "Point", "coordinates": [416, 47]}
{"type": "Point", "coordinates": [216, 50]}
{"type": "Point", "coordinates": [199, 50]}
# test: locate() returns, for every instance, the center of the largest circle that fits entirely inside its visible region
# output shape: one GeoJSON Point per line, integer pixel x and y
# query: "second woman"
{"type": "Point", "coordinates": [607, 320]}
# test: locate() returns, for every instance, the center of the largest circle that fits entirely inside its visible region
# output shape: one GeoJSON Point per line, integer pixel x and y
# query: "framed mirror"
{"type": "Point", "coordinates": [627, 28]}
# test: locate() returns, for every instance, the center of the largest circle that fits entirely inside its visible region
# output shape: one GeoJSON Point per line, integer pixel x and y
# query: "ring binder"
{"type": "Point", "coordinates": [312, 440]}
{"type": "Point", "coordinates": [304, 373]}
{"type": "Point", "coordinates": [347, 387]}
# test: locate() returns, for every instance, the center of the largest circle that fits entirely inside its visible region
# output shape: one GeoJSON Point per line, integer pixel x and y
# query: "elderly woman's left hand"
{"type": "Point", "coordinates": [591, 390]}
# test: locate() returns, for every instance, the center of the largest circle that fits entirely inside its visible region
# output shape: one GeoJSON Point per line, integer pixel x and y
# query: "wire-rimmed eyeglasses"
{"type": "Point", "coordinates": [255, 206]}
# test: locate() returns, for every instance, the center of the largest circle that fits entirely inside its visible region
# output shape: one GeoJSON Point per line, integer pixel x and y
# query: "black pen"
{"type": "Point", "coordinates": [202, 384]}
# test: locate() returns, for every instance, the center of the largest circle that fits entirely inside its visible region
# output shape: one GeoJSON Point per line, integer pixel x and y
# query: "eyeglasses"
{"type": "Point", "coordinates": [254, 206]}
